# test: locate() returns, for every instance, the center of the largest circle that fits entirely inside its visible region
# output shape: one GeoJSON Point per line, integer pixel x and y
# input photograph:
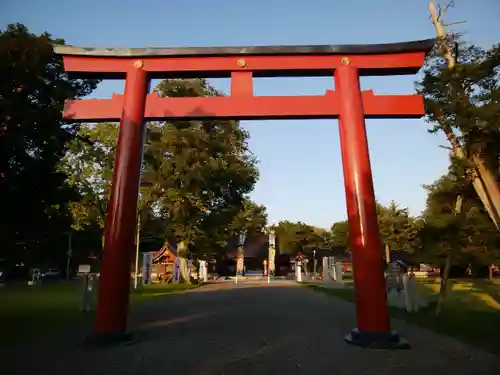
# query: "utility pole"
{"type": "Point", "coordinates": [482, 179]}
{"type": "Point", "coordinates": [314, 264]}
{"type": "Point", "coordinates": [69, 254]}
{"type": "Point", "coordinates": [137, 242]}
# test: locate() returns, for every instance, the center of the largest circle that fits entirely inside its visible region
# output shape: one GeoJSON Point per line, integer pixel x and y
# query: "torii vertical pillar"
{"type": "Point", "coordinates": [371, 299]}
{"type": "Point", "coordinates": [112, 306]}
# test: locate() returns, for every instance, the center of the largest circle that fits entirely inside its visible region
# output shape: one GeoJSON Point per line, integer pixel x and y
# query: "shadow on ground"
{"type": "Point", "coordinates": [469, 314]}
{"type": "Point", "coordinates": [248, 329]}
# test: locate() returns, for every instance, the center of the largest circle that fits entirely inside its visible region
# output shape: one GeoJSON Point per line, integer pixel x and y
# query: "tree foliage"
{"type": "Point", "coordinates": [88, 165]}
{"type": "Point", "coordinates": [466, 98]}
{"type": "Point", "coordinates": [470, 237]}
{"type": "Point", "coordinates": [398, 230]}
{"type": "Point", "coordinates": [33, 139]}
{"type": "Point", "coordinates": [462, 101]}
{"type": "Point", "coordinates": [296, 237]}
{"type": "Point", "coordinates": [200, 172]}
{"type": "Point", "coordinates": [252, 217]}
{"type": "Point", "coordinates": [196, 175]}
{"type": "Point", "coordinates": [340, 234]}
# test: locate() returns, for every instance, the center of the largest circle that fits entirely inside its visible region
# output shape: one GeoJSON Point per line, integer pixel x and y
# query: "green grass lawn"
{"type": "Point", "coordinates": [471, 312]}
{"type": "Point", "coordinates": [32, 311]}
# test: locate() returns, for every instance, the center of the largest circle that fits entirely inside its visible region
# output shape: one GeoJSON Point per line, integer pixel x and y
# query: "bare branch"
{"type": "Point", "coordinates": [445, 147]}
{"type": "Point", "coordinates": [454, 23]}
{"type": "Point", "coordinates": [451, 4]}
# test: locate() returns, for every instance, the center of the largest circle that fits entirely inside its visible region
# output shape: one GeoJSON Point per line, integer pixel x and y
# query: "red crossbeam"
{"type": "Point", "coordinates": [246, 107]}
{"type": "Point", "coordinates": [222, 66]}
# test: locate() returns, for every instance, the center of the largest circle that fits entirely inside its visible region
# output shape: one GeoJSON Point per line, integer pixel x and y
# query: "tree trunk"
{"type": "Point", "coordinates": [447, 268]}
{"type": "Point", "coordinates": [492, 190]}
{"type": "Point", "coordinates": [482, 179]}
{"type": "Point", "coordinates": [490, 272]}
{"type": "Point", "coordinates": [387, 253]}
{"type": "Point", "coordinates": [444, 285]}
{"type": "Point", "coordinates": [185, 274]}
{"type": "Point", "coordinates": [183, 267]}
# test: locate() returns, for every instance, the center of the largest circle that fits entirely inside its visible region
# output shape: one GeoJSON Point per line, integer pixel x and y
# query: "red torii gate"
{"type": "Point", "coordinates": [347, 103]}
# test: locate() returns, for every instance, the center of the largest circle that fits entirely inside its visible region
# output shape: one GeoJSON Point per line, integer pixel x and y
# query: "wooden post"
{"type": "Point", "coordinates": [110, 323]}
{"type": "Point", "coordinates": [373, 320]}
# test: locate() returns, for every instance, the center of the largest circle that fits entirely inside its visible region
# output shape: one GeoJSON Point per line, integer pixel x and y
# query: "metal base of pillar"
{"type": "Point", "coordinates": [376, 340]}
{"type": "Point", "coordinates": [109, 339]}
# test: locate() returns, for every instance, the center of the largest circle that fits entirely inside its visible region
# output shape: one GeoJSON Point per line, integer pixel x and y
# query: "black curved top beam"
{"type": "Point", "coordinates": [348, 49]}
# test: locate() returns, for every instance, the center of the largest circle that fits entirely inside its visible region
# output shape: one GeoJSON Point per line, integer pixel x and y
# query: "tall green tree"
{"type": "Point", "coordinates": [88, 165]}
{"type": "Point", "coordinates": [442, 233]}
{"type": "Point", "coordinates": [340, 234]}
{"type": "Point", "coordinates": [252, 218]}
{"type": "Point", "coordinates": [205, 171]}
{"type": "Point", "coordinates": [216, 238]}
{"type": "Point", "coordinates": [33, 195]}
{"type": "Point", "coordinates": [455, 229]}
{"type": "Point", "coordinates": [397, 228]}
{"type": "Point", "coordinates": [295, 237]}
{"type": "Point", "coordinates": [466, 98]}
{"type": "Point", "coordinates": [469, 238]}
{"type": "Point", "coordinates": [462, 99]}
{"type": "Point", "coordinates": [196, 175]}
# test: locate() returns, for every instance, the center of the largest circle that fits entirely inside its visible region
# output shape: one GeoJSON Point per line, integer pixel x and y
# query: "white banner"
{"type": "Point", "coordinates": [177, 271]}
{"type": "Point", "coordinates": [272, 264]}
{"type": "Point", "coordinates": [240, 260]}
{"type": "Point", "coordinates": [203, 271]}
{"type": "Point", "coordinates": [326, 271]}
{"type": "Point", "coordinates": [190, 264]}
{"type": "Point", "coordinates": [147, 263]}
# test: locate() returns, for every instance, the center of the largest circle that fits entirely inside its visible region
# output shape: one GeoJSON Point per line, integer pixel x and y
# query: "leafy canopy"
{"type": "Point", "coordinates": [33, 138]}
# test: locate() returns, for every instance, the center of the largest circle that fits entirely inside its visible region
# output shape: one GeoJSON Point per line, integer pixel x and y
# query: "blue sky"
{"type": "Point", "coordinates": [300, 164]}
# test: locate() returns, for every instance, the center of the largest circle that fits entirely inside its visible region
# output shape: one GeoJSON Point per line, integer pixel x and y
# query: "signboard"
{"type": "Point", "coordinates": [393, 276]}
{"type": "Point", "coordinates": [84, 268]}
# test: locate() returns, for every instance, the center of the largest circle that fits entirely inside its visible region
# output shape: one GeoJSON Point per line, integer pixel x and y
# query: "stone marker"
{"type": "Point", "coordinates": [298, 270]}
{"type": "Point", "coordinates": [326, 273]}
{"type": "Point", "coordinates": [338, 271]}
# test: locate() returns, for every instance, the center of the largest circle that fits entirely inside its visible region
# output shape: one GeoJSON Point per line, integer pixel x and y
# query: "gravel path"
{"type": "Point", "coordinates": [244, 329]}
